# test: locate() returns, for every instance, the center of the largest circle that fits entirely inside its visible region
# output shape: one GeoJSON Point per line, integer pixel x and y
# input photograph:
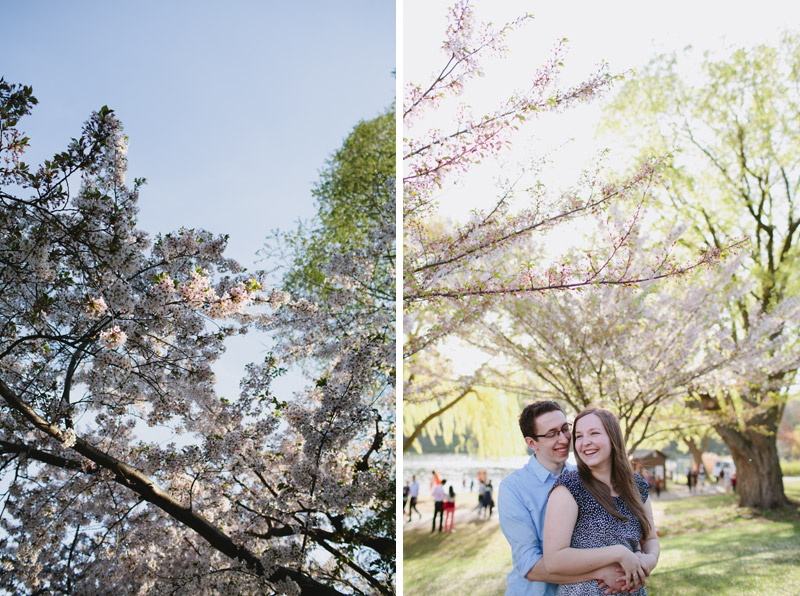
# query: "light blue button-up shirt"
{"type": "Point", "coordinates": [521, 502]}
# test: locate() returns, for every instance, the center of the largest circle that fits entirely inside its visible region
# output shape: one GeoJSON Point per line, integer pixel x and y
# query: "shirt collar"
{"type": "Point", "coordinates": [543, 473]}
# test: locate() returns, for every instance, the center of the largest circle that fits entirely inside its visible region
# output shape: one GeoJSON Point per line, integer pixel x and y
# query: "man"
{"type": "Point", "coordinates": [438, 504]}
{"type": "Point", "coordinates": [488, 501]}
{"type": "Point", "coordinates": [522, 499]}
{"type": "Point", "coordinates": [413, 493]}
{"type": "Point", "coordinates": [481, 490]}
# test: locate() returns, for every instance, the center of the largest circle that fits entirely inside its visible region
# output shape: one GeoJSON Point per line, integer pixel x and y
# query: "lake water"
{"type": "Point", "coordinates": [458, 469]}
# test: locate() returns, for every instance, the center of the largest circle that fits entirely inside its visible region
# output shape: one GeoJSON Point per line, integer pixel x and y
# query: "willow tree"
{"type": "Point", "coordinates": [354, 196]}
{"type": "Point", "coordinates": [732, 125]}
{"type": "Point", "coordinates": [478, 426]}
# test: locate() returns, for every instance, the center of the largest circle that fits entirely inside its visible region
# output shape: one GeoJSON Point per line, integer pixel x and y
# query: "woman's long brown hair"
{"type": "Point", "coordinates": [621, 471]}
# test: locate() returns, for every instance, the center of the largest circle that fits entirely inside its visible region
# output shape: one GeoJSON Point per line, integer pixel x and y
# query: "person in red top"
{"type": "Point", "coordinates": [435, 480]}
{"type": "Point", "coordinates": [449, 510]}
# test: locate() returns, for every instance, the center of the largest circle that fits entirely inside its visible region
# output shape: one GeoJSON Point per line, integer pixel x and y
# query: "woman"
{"type": "Point", "coordinates": [600, 514]}
{"type": "Point", "coordinates": [449, 510]}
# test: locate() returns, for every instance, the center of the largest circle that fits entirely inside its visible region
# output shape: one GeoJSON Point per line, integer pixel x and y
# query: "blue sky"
{"type": "Point", "coordinates": [231, 108]}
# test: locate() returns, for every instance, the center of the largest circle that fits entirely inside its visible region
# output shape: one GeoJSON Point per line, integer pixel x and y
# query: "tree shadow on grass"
{"type": "Point", "coordinates": [755, 563]}
{"type": "Point", "coordinates": [788, 553]}
{"type": "Point", "coordinates": [469, 540]}
{"type": "Point", "coordinates": [789, 513]}
{"type": "Point", "coordinates": [701, 520]}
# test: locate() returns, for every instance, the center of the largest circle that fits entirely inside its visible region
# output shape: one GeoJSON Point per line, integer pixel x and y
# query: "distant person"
{"type": "Point", "coordinates": [413, 493]}
{"type": "Point", "coordinates": [522, 500]}
{"type": "Point", "coordinates": [406, 490]}
{"type": "Point", "coordinates": [601, 512]}
{"type": "Point", "coordinates": [438, 505]}
{"type": "Point", "coordinates": [488, 500]}
{"type": "Point", "coordinates": [733, 482]}
{"type": "Point", "coordinates": [725, 479]}
{"type": "Point", "coordinates": [449, 510]}
{"type": "Point", "coordinates": [434, 480]}
{"type": "Point", "coordinates": [659, 485]}
{"type": "Point", "coordinates": [481, 490]}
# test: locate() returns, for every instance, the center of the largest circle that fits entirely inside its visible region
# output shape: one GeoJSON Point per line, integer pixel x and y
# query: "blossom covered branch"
{"type": "Point", "coordinates": [107, 342]}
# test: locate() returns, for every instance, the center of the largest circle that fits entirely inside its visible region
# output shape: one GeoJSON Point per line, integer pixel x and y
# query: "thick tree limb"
{"type": "Point", "coordinates": [357, 568]}
{"type": "Point", "coordinates": [363, 463]}
{"type": "Point", "coordinates": [381, 545]}
{"type": "Point", "coordinates": [145, 487]}
{"type": "Point", "coordinates": [42, 456]}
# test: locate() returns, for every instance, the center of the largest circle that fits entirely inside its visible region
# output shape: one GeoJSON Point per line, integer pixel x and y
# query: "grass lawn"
{"type": "Point", "coordinates": [708, 546]}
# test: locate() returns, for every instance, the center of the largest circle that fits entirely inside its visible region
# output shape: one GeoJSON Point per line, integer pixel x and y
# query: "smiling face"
{"type": "Point", "coordinates": [551, 453]}
{"type": "Point", "coordinates": [592, 443]}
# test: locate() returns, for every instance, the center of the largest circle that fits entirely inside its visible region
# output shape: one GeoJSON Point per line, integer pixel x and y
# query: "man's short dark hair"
{"type": "Point", "coordinates": [527, 419]}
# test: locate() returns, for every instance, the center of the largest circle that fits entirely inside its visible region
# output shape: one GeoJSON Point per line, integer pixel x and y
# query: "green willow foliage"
{"type": "Point", "coordinates": [352, 195]}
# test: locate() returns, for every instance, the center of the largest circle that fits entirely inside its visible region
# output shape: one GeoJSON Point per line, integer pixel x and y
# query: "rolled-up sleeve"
{"type": "Point", "coordinates": [518, 528]}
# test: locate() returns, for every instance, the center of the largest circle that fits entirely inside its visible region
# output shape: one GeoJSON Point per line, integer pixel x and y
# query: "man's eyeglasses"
{"type": "Point", "coordinates": [552, 434]}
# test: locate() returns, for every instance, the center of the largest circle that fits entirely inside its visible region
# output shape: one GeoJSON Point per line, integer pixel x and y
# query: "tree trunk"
{"type": "Point", "coordinates": [759, 481]}
{"type": "Point", "coordinates": [697, 451]}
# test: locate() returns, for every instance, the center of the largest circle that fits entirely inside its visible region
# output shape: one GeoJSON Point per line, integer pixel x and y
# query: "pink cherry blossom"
{"type": "Point", "coordinates": [453, 272]}
{"type": "Point", "coordinates": [127, 469]}
{"type": "Point", "coordinates": [113, 338]}
{"type": "Point", "coordinates": [96, 307]}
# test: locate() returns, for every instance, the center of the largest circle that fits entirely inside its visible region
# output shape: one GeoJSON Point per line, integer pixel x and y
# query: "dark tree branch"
{"type": "Point", "coordinates": [363, 463]}
{"type": "Point", "coordinates": [145, 487]}
{"type": "Point", "coordinates": [43, 456]}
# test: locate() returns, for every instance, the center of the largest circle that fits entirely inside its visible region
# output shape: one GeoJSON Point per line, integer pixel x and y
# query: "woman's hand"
{"type": "Point", "coordinates": [648, 561]}
{"type": "Point", "coordinates": [611, 580]}
{"type": "Point", "coordinates": [633, 568]}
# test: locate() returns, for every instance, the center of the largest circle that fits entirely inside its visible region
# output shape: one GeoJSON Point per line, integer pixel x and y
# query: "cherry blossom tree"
{"type": "Point", "coordinates": [640, 353]}
{"type": "Point", "coordinates": [452, 271]}
{"type": "Point", "coordinates": [123, 470]}
{"type": "Point", "coordinates": [735, 174]}
{"type": "Point", "coordinates": [348, 279]}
